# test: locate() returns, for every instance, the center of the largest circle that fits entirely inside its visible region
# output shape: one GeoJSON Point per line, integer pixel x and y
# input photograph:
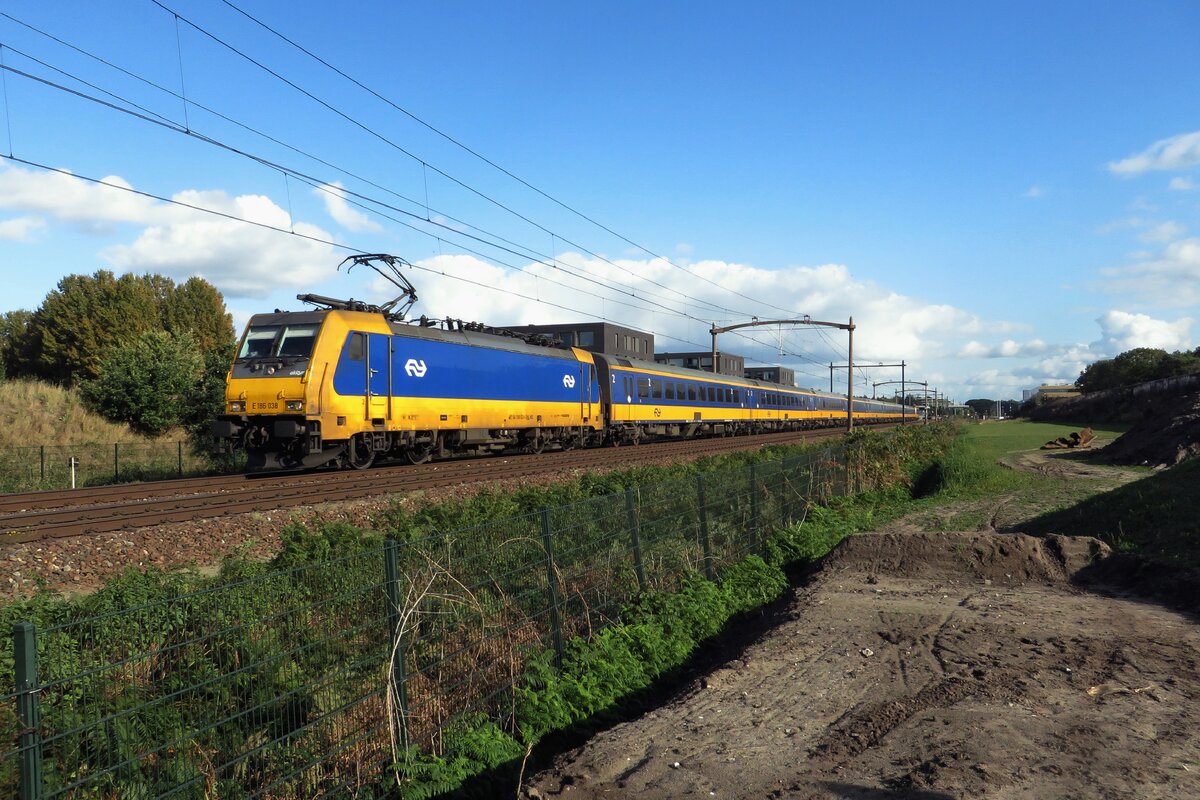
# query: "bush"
{"type": "Point", "coordinates": [148, 383]}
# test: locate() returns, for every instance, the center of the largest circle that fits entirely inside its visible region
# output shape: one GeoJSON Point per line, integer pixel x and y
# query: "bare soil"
{"type": "Point", "coordinates": [929, 665]}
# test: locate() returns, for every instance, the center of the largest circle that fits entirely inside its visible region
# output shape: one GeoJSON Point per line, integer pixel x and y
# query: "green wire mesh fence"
{"type": "Point", "coordinates": [24, 469]}
{"type": "Point", "coordinates": [308, 681]}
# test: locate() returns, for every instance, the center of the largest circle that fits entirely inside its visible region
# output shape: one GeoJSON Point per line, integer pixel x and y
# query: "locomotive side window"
{"type": "Point", "coordinates": [358, 347]}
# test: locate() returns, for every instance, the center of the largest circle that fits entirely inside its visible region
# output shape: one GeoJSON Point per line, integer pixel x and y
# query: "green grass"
{"type": "Point", "coordinates": [1155, 517]}
{"type": "Point", "coordinates": [996, 440]}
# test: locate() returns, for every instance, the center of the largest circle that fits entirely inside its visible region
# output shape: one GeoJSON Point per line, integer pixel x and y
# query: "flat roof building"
{"type": "Point", "coordinates": [597, 337]}
{"type": "Point", "coordinates": [727, 363]}
{"type": "Point", "coordinates": [780, 375]}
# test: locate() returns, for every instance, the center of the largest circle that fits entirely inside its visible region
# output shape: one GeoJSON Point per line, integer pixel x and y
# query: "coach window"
{"type": "Point", "coordinates": [643, 388]}
{"type": "Point", "coordinates": [691, 391]}
{"type": "Point", "coordinates": [656, 389]}
{"type": "Point", "coordinates": [670, 391]}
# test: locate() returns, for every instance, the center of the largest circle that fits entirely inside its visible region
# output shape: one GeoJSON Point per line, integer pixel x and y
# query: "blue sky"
{"type": "Point", "coordinates": [998, 194]}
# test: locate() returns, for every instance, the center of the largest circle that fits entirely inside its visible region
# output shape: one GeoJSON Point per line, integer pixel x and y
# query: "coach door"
{"type": "Point", "coordinates": [587, 393]}
{"type": "Point", "coordinates": [379, 378]}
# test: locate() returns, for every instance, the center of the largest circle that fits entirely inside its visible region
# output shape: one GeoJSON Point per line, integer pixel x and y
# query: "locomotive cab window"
{"type": "Point", "coordinates": [297, 340]}
{"type": "Point", "coordinates": [259, 342]}
{"type": "Point", "coordinates": [279, 341]}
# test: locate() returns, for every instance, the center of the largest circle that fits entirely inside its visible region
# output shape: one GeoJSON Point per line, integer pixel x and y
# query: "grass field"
{"type": "Point", "coordinates": [1154, 516]}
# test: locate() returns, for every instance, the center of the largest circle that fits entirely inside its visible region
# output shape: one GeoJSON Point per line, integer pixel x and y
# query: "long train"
{"type": "Point", "coordinates": [344, 387]}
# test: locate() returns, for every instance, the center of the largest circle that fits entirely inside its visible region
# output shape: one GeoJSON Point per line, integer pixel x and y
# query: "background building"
{"type": "Point", "coordinates": [727, 363]}
{"type": "Point", "coordinates": [780, 375]}
{"type": "Point", "coordinates": [598, 337]}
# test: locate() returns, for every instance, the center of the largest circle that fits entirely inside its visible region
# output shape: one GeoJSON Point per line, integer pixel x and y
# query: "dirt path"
{"type": "Point", "coordinates": [929, 666]}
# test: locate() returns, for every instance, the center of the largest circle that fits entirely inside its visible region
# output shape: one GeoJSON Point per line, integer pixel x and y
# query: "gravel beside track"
{"type": "Point", "coordinates": [73, 542]}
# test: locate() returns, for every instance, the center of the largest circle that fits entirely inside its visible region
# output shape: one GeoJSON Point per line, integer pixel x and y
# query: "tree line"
{"type": "Point", "coordinates": [1137, 366]}
{"type": "Point", "coordinates": [141, 350]}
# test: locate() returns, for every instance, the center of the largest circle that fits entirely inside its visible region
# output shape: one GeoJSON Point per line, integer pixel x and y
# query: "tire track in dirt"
{"type": "Point", "coordinates": [926, 665]}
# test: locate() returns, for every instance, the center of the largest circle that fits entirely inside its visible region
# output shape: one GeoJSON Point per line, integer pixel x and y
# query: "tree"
{"type": "Point", "coordinates": [149, 383]}
{"type": "Point", "coordinates": [86, 316]}
{"type": "Point", "coordinates": [1136, 366]}
{"type": "Point", "coordinates": [14, 342]}
{"type": "Point", "coordinates": [981, 407]}
{"type": "Point", "coordinates": [83, 318]}
{"type": "Point", "coordinates": [197, 307]}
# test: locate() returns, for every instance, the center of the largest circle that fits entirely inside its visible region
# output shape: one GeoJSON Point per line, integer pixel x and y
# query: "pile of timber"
{"type": "Point", "coordinates": [1076, 439]}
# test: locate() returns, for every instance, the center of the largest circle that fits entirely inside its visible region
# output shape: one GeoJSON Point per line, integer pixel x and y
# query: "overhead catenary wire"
{"type": "Point", "coordinates": [425, 163]}
{"type": "Point", "coordinates": [326, 187]}
{"type": "Point", "coordinates": [318, 184]}
{"type": "Point", "coordinates": [531, 253]}
{"type": "Point", "coordinates": [267, 226]}
{"type": "Point", "coordinates": [147, 115]}
{"type": "Point", "coordinates": [482, 157]}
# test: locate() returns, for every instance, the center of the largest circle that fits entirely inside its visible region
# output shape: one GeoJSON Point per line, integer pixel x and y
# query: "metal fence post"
{"type": "Point", "coordinates": [785, 491]}
{"type": "Point", "coordinates": [705, 543]}
{"type": "Point", "coordinates": [179, 456]}
{"type": "Point", "coordinates": [552, 587]}
{"type": "Point", "coordinates": [116, 461]}
{"type": "Point", "coordinates": [780, 495]}
{"type": "Point", "coordinates": [42, 459]}
{"type": "Point", "coordinates": [28, 709]}
{"type": "Point", "coordinates": [395, 639]}
{"type": "Point", "coordinates": [754, 514]}
{"type": "Point", "coordinates": [635, 537]}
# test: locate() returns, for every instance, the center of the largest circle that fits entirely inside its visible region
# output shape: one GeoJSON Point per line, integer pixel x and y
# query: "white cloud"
{"type": "Point", "coordinates": [1181, 184]}
{"type": "Point", "coordinates": [1176, 152]}
{"type": "Point", "coordinates": [890, 326]}
{"type": "Point", "coordinates": [1035, 191]}
{"type": "Point", "coordinates": [1162, 232]}
{"type": "Point", "coordinates": [350, 218]}
{"type": "Point", "coordinates": [19, 228]}
{"type": "Point", "coordinates": [1171, 279]}
{"type": "Point", "coordinates": [683, 248]}
{"type": "Point", "coordinates": [1121, 331]}
{"type": "Point", "coordinates": [1006, 349]}
{"type": "Point", "coordinates": [94, 207]}
{"type": "Point", "coordinates": [242, 260]}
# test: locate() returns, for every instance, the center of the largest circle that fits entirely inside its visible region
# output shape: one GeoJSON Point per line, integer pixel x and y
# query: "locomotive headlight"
{"type": "Point", "coordinates": [294, 405]}
{"type": "Point", "coordinates": [237, 406]}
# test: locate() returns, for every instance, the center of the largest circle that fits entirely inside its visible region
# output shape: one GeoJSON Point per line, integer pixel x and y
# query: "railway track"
{"type": "Point", "coordinates": [44, 515]}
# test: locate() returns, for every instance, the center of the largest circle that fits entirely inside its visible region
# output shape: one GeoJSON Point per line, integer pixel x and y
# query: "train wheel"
{"type": "Point", "coordinates": [359, 454]}
{"type": "Point", "coordinates": [419, 454]}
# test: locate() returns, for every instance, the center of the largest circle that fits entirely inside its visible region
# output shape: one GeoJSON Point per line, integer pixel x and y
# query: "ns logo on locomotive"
{"type": "Point", "coordinates": [350, 382]}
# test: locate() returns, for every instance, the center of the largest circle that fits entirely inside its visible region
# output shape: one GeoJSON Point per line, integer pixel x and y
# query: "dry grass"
{"type": "Point", "coordinates": [34, 413]}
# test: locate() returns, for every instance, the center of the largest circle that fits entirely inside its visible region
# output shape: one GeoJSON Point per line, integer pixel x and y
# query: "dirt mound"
{"type": "Point", "coordinates": [1168, 433]}
{"type": "Point", "coordinates": [987, 558]}
{"type": "Point", "coordinates": [926, 665]}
